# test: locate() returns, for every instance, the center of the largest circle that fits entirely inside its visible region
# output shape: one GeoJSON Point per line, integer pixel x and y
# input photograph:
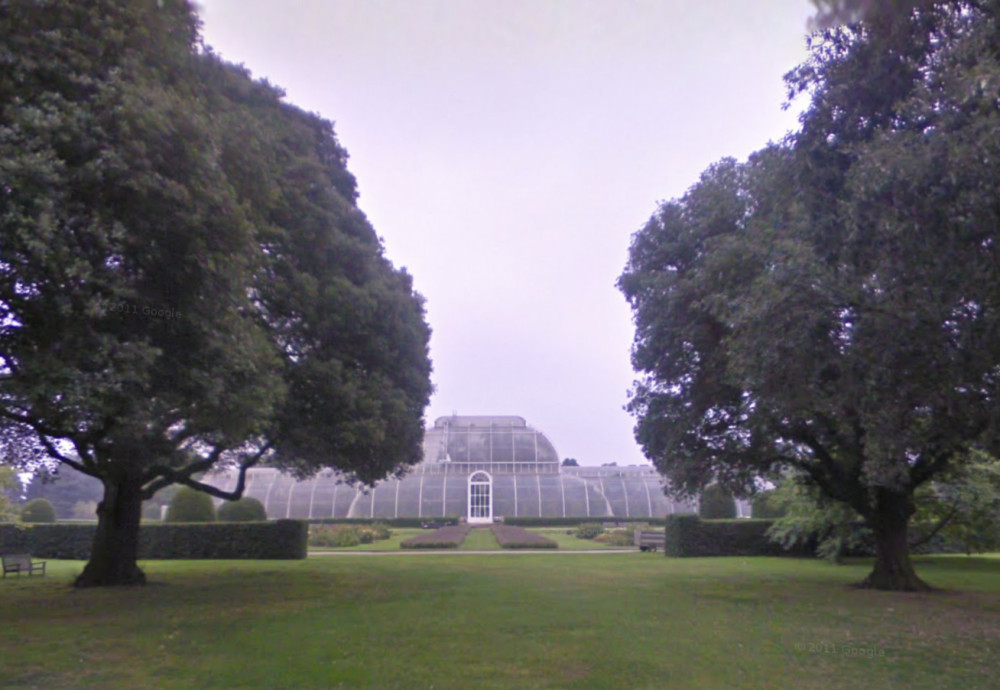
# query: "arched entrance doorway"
{"type": "Point", "coordinates": [480, 498]}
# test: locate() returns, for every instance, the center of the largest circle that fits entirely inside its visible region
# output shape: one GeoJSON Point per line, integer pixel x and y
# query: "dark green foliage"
{"type": "Point", "coordinates": [188, 278]}
{"type": "Point", "coordinates": [38, 510]}
{"type": "Point", "coordinates": [335, 536]}
{"type": "Point", "coordinates": [379, 531]}
{"type": "Point", "coordinates": [347, 535]}
{"type": "Point", "coordinates": [10, 487]}
{"type": "Point", "coordinates": [279, 539]}
{"type": "Point", "coordinates": [690, 536]}
{"type": "Point", "coordinates": [189, 505]}
{"type": "Point", "coordinates": [833, 304]}
{"type": "Point", "coordinates": [246, 509]}
{"type": "Point", "coordinates": [617, 537]}
{"type": "Point", "coordinates": [589, 530]}
{"type": "Point", "coordinates": [765, 508]}
{"type": "Point", "coordinates": [964, 507]}
{"type": "Point", "coordinates": [716, 504]}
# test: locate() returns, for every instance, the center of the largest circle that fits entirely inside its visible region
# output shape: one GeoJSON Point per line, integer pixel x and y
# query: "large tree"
{"type": "Point", "coordinates": [185, 279]}
{"type": "Point", "coordinates": [833, 304]}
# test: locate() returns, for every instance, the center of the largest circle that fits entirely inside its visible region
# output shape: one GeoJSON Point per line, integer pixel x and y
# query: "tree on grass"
{"type": "Point", "coordinates": [833, 304]}
{"type": "Point", "coordinates": [185, 279]}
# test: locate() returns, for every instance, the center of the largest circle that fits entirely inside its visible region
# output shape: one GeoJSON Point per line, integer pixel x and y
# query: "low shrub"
{"type": "Point", "coordinates": [589, 530]}
{"type": "Point", "coordinates": [689, 535]}
{"type": "Point", "coordinates": [515, 537]}
{"type": "Point", "coordinates": [575, 521]}
{"type": "Point", "coordinates": [38, 510]}
{"type": "Point", "coordinates": [716, 504]}
{"type": "Point", "coordinates": [189, 505]}
{"type": "Point", "coordinates": [617, 537]}
{"type": "Point", "coordinates": [378, 531]}
{"type": "Point", "coordinates": [335, 536]}
{"type": "Point", "coordinates": [279, 539]}
{"type": "Point", "coordinates": [246, 509]}
{"type": "Point", "coordinates": [340, 536]}
{"type": "Point", "coordinates": [390, 522]}
{"type": "Point", "coordinates": [449, 537]}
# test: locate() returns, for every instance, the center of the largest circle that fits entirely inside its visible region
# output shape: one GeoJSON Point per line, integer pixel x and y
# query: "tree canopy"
{"type": "Point", "coordinates": [833, 303]}
{"type": "Point", "coordinates": [185, 278]}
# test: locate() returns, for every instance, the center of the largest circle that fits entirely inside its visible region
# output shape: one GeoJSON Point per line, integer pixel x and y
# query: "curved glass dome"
{"type": "Point", "coordinates": [487, 441]}
{"type": "Point", "coordinates": [526, 481]}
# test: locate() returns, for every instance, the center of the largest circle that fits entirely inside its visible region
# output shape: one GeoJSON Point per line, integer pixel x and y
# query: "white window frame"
{"type": "Point", "coordinates": [476, 512]}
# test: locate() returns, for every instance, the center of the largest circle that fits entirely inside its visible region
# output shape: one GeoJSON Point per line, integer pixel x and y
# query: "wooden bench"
{"type": "Point", "coordinates": [21, 563]}
{"type": "Point", "coordinates": [650, 540]}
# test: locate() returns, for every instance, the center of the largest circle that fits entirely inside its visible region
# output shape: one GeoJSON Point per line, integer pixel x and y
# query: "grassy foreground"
{"type": "Point", "coordinates": [518, 621]}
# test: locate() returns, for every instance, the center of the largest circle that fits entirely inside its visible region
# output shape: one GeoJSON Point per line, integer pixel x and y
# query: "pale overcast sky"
{"type": "Point", "coordinates": [506, 150]}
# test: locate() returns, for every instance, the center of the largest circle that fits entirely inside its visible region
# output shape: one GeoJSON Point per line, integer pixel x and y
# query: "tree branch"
{"type": "Point", "coordinates": [160, 476]}
{"type": "Point", "coordinates": [76, 465]}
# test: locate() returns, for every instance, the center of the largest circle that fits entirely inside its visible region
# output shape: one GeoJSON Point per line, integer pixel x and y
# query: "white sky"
{"type": "Point", "coordinates": [506, 150]}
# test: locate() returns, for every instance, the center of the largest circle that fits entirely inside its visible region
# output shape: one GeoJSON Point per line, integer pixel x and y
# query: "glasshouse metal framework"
{"type": "Point", "coordinates": [515, 468]}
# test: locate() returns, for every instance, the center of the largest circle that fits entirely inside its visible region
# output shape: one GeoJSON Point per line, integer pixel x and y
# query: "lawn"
{"type": "Point", "coordinates": [613, 621]}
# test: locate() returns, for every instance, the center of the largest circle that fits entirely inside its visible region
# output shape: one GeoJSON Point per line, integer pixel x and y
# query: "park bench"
{"type": "Point", "coordinates": [650, 540]}
{"type": "Point", "coordinates": [21, 563]}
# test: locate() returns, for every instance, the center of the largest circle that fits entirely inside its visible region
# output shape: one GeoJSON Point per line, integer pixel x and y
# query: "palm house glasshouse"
{"type": "Point", "coordinates": [476, 467]}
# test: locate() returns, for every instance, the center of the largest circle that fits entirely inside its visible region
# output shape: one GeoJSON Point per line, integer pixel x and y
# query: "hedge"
{"type": "Point", "coordinates": [189, 505]}
{"type": "Point", "coordinates": [576, 521]}
{"type": "Point", "coordinates": [246, 509]}
{"type": "Point", "coordinates": [391, 522]}
{"type": "Point", "coordinates": [690, 536]}
{"type": "Point", "coordinates": [280, 539]}
{"type": "Point", "coordinates": [444, 538]}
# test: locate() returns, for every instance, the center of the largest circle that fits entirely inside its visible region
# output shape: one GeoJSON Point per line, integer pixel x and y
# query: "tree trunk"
{"type": "Point", "coordinates": [116, 541]}
{"type": "Point", "coordinates": [893, 569]}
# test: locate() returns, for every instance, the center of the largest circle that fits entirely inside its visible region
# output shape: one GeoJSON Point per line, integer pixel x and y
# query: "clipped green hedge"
{"type": "Point", "coordinates": [516, 537]}
{"type": "Point", "coordinates": [690, 536]}
{"type": "Point", "coordinates": [449, 537]}
{"type": "Point", "coordinates": [246, 509]}
{"type": "Point", "coordinates": [575, 521]}
{"type": "Point", "coordinates": [190, 505]}
{"type": "Point", "coordinates": [279, 539]}
{"type": "Point", "coordinates": [391, 522]}
{"type": "Point", "coordinates": [38, 510]}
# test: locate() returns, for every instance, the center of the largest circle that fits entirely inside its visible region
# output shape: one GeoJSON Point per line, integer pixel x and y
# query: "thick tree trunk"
{"type": "Point", "coordinates": [116, 541]}
{"type": "Point", "coordinates": [893, 569]}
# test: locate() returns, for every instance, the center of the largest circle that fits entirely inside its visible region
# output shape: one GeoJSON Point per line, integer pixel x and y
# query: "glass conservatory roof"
{"type": "Point", "coordinates": [527, 481]}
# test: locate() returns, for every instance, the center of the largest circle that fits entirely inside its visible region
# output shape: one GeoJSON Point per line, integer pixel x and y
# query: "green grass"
{"type": "Point", "coordinates": [479, 539]}
{"type": "Point", "coordinates": [603, 621]}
